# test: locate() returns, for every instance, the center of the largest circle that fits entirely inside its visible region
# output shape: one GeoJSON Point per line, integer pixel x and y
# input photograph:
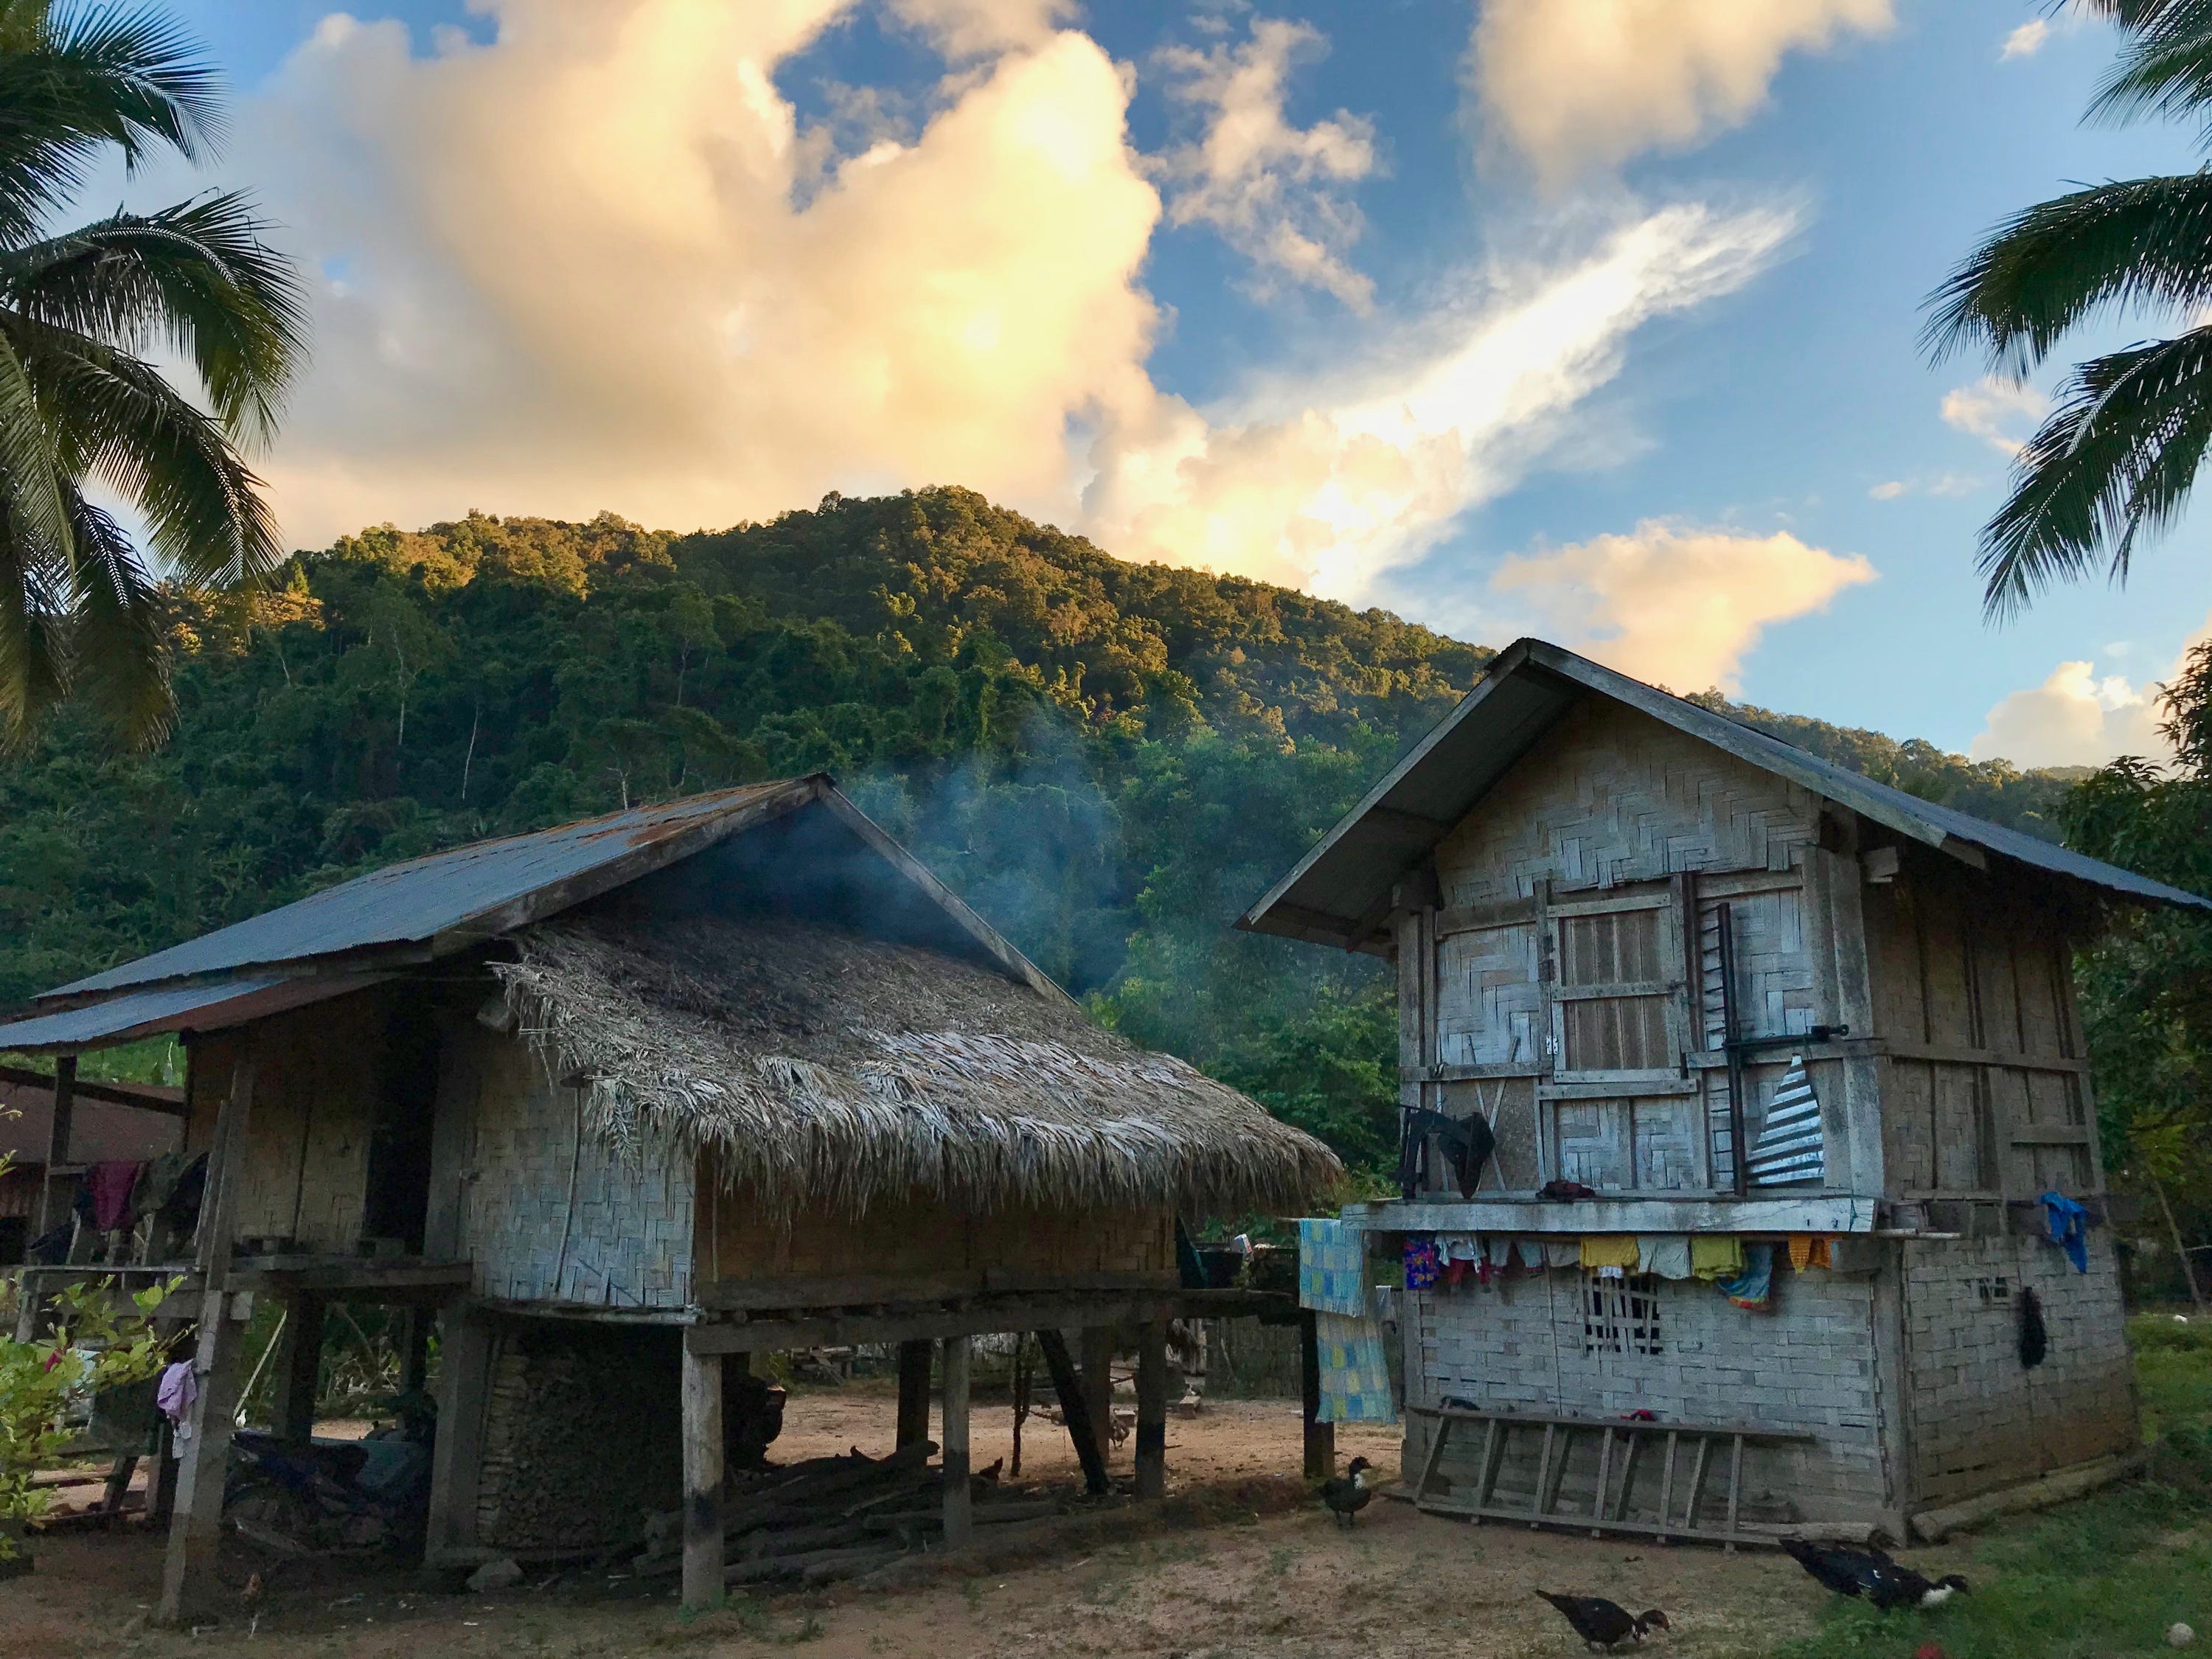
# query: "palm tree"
{"type": "Point", "coordinates": [2121, 448]}
{"type": "Point", "coordinates": [81, 410]}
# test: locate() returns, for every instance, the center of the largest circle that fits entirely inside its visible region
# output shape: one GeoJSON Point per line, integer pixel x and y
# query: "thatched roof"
{"type": "Point", "coordinates": [830, 1067]}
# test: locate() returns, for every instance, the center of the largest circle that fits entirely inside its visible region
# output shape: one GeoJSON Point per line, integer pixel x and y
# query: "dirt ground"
{"type": "Point", "coordinates": [1240, 1560]}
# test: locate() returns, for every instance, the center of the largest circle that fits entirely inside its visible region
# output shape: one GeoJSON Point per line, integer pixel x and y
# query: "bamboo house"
{"type": "Point", "coordinates": [625, 1102]}
{"type": "Point", "coordinates": [1777, 1203]}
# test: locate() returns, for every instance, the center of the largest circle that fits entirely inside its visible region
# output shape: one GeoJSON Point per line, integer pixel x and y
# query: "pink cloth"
{"type": "Point", "coordinates": [112, 1184]}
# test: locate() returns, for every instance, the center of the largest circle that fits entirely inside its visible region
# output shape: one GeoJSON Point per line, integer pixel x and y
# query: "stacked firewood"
{"type": "Point", "coordinates": [837, 1518]}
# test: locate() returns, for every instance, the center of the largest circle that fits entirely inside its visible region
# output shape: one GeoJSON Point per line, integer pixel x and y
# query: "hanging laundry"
{"type": "Point", "coordinates": [1464, 1142]}
{"type": "Point", "coordinates": [1499, 1252]}
{"type": "Point", "coordinates": [1790, 1147]}
{"type": "Point", "coordinates": [1809, 1250]}
{"type": "Point", "coordinates": [1563, 1253]}
{"type": "Point", "coordinates": [1612, 1270]}
{"type": "Point", "coordinates": [1562, 1192]}
{"type": "Point", "coordinates": [1355, 1382]}
{"type": "Point", "coordinates": [1609, 1250]}
{"type": "Point", "coordinates": [1753, 1287]}
{"type": "Point", "coordinates": [178, 1389]}
{"type": "Point", "coordinates": [1533, 1258]}
{"type": "Point", "coordinates": [2035, 1340]}
{"type": "Point", "coordinates": [1666, 1254]}
{"type": "Point", "coordinates": [2068, 1223]}
{"type": "Point", "coordinates": [1458, 1247]}
{"type": "Point", "coordinates": [1453, 1272]}
{"type": "Point", "coordinates": [1422, 1267]}
{"type": "Point", "coordinates": [1716, 1255]}
{"type": "Point", "coordinates": [112, 1184]}
{"type": "Point", "coordinates": [1331, 1266]}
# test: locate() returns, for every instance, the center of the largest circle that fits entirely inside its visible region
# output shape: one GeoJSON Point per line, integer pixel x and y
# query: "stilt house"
{"type": "Point", "coordinates": [1710, 993]}
{"type": "Point", "coordinates": [624, 1099]}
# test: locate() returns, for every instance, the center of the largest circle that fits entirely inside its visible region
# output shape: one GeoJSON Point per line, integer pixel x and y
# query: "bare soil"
{"type": "Point", "coordinates": [1241, 1559]}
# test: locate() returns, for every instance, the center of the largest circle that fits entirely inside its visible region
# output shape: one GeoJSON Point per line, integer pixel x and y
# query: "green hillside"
{"type": "Point", "coordinates": [1110, 760]}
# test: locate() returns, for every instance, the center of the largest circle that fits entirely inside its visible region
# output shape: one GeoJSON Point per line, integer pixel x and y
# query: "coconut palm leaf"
{"type": "Point", "coordinates": [2115, 459]}
{"type": "Point", "coordinates": [2167, 69]}
{"type": "Point", "coordinates": [80, 404]}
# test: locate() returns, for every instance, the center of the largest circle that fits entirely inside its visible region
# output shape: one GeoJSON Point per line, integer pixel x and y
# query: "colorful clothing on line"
{"type": "Point", "coordinates": [1753, 1287]}
{"type": "Point", "coordinates": [2068, 1223]}
{"type": "Point", "coordinates": [1355, 1383]}
{"type": "Point", "coordinates": [112, 1184]}
{"type": "Point", "coordinates": [1666, 1254]}
{"type": "Point", "coordinates": [1563, 1252]}
{"type": "Point", "coordinates": [1532, 1259]}
{"type": "Point", "coordinates": [1422, 1267]}
{"type": "Point", "coordinates": [1609, 1250]}
{"type": "Point", "coordinates": [1716, 1255]}
{"type": "Point", "coordinates": [1809, 1250]}
{"type": "Point", "coordinates": [1331, 1266]}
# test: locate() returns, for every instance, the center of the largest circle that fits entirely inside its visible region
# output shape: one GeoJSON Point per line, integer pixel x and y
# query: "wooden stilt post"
{"type": "Point", "coordinates": [188, 1580]}
{"type": "Point", "coordinates": [465, 1357]}
{"type": "Point", "coordinates": [1098, 1384]}
{"type": "Point", "coordinates": [914, 1365]}
{"type": "Point", "coordinates": [1320, 1437]}
{"type": "Point", "coordinates": [703, 1542]}
{"type": "Point", "coordinates": [1074, 1409]}
{"type": "Point", "coordinates": [415, 1353]}
{"type": "Point", "coordinates": [1152, 1410]}
{"type": "Point", "coordinates": [959, 1503]}
{"type": "Point", "coordinates": [299, 1371]}
{"type": "Point", "coordinates": [47, 1212]}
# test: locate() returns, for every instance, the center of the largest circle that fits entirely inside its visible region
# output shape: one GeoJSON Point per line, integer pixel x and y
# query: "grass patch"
{"type": "Point", "coordinates": [2095, 1579]}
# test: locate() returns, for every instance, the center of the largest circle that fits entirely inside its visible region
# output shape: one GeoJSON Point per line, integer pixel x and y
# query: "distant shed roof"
{"type": "Point", "coordinates": [1340, 890]}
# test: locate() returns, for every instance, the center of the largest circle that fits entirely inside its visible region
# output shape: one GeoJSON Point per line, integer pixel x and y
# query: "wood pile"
{"type": "Point", "coordinates": [837, 1518]}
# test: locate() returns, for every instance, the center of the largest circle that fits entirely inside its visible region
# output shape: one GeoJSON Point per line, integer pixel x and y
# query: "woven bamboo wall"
{"type": "Point", "coordinates": [923, 1238]}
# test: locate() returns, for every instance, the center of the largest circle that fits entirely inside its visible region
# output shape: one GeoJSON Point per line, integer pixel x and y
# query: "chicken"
{"type": "Point", "coordinates": [1603, 1624]}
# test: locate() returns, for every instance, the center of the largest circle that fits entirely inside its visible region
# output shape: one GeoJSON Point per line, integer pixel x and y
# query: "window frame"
{"type": "Point", "coordinates": [1671, 990]}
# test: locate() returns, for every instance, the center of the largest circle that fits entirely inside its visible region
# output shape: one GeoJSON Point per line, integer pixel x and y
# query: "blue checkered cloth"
{"type": "Point", "coordinates": [1332, 1267]}
{"type": "Point", "coordinates": [1355, 1383]}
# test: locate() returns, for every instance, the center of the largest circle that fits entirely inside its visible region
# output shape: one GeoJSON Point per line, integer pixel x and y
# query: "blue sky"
{"type": "Point", "coordinates": [630, 254]}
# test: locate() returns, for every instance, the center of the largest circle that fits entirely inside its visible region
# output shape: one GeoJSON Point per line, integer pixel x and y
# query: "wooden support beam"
{"type": "Point", "coordinates": [1320, 1437]}
{"type": "Point", "coordinates": [1152, 1410]}
{"type": "Point", "coordinates": [959, 1502]}
{"type": "Point", "coordinates": [415, 1351]}
{"type": "Point", "coordinates": [703, 1539]}
{"type": "Point", "coordinates": [298, 1370]}
{"type": "Point", "coordinates": [1074, 1409]}
{"type": "Point", "coordinates": [465, 1358]}
{"type": "Point", "coordinates": [1098, 1386]}
{"type": "Point", "coordinates": [914, 1365]}
{"type": "Point", "coordinates": [57, 1142]}
{"type": "Point", "coordinates": [188, 1581]}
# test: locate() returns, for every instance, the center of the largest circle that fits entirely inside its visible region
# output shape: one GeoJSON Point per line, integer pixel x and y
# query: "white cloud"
{"type": "Point", "coordinates": [1888, 491]}
{"type": "Point", "coordinates": [1274, 191]}
{"type": "Point", "coordinates": [600, 263]}
{"type": "Point", "coordinates": [1994, 409]}
{"type": "Point", "coordinates": [1673, 603]}
{"type": "Point", "coordinates": [2075, 718]}
{"type": "Point", "coordinates": [1947, 483]}
{"type": "Point", "coordinates": [2028, 39]}
{"type": "Point", "coordinates": [1580, 83]}
{"type": "Point", "coordinates": [1327, 485]}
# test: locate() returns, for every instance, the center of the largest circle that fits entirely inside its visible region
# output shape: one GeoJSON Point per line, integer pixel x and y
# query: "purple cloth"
{"type": "Point", "coordinates": [178, 1389]}
{"type": "Point", "coordinates": [1422, 1267]}
{"type": "Point", "coordinates": [112, 1184]}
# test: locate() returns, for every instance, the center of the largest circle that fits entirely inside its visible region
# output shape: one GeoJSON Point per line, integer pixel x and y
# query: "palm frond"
{"type": "Point", "coordinates": [117, 656]}
{"type": "Point", "coordinates": [76, 78]}
{"type": "Point", "coordinates": [31, 465]}
{"type": "Point", "coordinates": [119, 421]}
{"type": "Point", "coordinates": [2115, 460]}
{"type": "Point", "coordinates": [2141, 242]}
{"type": "Point", "coordinates": [33, 597]}
{"type": "Point", "coordinates": [198, 274]}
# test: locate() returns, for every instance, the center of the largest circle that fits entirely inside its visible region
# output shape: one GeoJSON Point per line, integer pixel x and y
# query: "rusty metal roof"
{"type": "Point", "coordinates": [448, 901]}
{"type": "Point", "coordinates": [202, 1005]}
{"type": "Point", "coordinates": [1339, 892]}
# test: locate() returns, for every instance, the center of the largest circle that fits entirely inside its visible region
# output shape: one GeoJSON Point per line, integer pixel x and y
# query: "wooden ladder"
{"type": "Point", "coordinates": [1619, 1444]}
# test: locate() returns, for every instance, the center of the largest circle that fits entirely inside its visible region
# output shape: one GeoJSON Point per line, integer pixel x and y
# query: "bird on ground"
{"type": "Point", "coordinates": [1871, 1573]}
{"type": "Point", "coordinates": [1603, 1624]}
{"type": "Point", "coordinates": [1348, 1493]}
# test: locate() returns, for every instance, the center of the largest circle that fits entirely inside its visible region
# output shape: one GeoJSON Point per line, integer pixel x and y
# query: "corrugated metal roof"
{"type": "Point", "coordinates": [1340, 890]}
{"type": "Point", "coordinates": [206, 1007]}
{"type": "Point", "coordinates": [448, 900]}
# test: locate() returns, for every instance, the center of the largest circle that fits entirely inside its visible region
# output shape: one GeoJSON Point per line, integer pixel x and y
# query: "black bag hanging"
{"type": "Point", "coordinates": [2035, 1340]}
{"type": "Point", "coordinates": [1465, 1143]}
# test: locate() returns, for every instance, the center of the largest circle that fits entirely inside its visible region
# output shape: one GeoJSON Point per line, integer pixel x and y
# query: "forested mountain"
{"type": "Point", "coordinates": [1110, 760]}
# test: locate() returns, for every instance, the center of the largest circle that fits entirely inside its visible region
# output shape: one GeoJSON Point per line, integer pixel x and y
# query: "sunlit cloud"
{"type": "Point", "coordinates": [1575, 84]}
{"type": "Point", "coordinates": [2002, 413]}
{"type": "Point", "coordinates": [2077, 717]}
{"type": "Point", "coordinates": [2026, 40]}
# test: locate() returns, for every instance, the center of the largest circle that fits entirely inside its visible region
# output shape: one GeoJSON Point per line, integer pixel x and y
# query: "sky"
{"type": "Point", "coordinates": [1599, 321]}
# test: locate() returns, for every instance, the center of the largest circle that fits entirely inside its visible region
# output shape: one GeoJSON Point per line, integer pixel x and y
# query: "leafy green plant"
{"type": "Point", "coordinates": [102, 1340]}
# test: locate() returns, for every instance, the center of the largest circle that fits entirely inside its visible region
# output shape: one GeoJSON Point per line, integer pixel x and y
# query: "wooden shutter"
{"type": "Point", "coordinates": [1617, 990]}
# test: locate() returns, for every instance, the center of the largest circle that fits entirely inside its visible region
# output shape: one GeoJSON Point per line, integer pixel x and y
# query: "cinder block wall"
{"type": "Point", "coordinates": [1981, 1419]}
{"type": "Point", "coordinates": [1808, 1365]}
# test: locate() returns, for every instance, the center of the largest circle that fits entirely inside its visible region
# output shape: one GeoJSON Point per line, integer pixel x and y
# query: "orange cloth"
{"type": "Point", "coordinates": [1809, 1250]}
